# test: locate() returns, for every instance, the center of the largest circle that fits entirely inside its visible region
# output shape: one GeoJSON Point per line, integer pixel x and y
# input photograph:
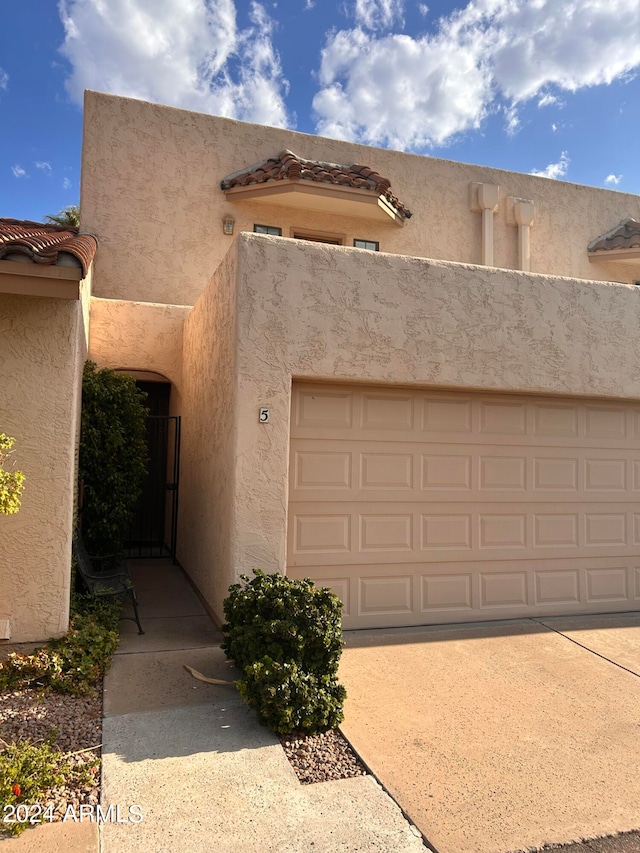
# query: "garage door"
{"type": "Point", "coordinates": [420, 507]}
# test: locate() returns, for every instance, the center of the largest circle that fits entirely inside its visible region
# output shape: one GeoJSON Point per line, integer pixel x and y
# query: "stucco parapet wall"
{"type": "Point", "coordinates": [327, 312]}
{"type": "Point", "coordinates": [151, 192]}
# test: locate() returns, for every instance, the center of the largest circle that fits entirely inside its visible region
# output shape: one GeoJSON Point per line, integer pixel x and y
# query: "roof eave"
{"type": "Point", "coordinates": [618, 255]}
{"type": "Point", "coordinates": [28, 279]}
{"type": "Point", "coordinates": [333, 198]}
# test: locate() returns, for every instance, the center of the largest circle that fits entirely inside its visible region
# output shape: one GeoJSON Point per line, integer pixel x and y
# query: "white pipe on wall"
{"type": "Point", "coordinates": [488, 195]}
{"type": "Point", "coordinates": [524, 212]}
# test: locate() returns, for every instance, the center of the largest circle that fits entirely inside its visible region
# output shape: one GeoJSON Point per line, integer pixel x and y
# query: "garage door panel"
{"type": "Point", "coordinates": [404, 531]}
{"type": "Point", "coordinates": [450, 593]}
{"type": "Point", "coordinates": [636, 583]}
{"type": "Point", "coordinates": [401, 470]}
{"type": "Point", "coordinates": [427, 506]}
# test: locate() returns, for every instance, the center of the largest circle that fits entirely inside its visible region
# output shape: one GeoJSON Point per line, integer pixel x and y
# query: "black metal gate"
{"type": "Point", "coordinates": [154, 527]}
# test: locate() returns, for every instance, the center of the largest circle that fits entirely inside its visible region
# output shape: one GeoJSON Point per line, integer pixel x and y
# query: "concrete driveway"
{"type": "Point", "coordinates": [505, 736]}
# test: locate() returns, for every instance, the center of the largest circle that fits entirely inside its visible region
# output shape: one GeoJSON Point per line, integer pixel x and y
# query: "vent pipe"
{"type": "Point", "coordinates": [524, 212]}
{"type": "Point", "coordinates": [484, 199]}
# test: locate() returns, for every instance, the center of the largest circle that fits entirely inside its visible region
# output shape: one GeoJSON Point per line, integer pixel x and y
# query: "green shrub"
{"type": "Point", "coordinates": [113, 456]}
{"type": "Point", "coordinates": [286, 637]}
{"type": "Point", "coordinates": [288, 620]}
{"type": "Point", "coordinates": [11, 482]}
{"type": "Point", "coordinates": [74, 663]}
{"type": "Point", "coordinates": [286, 698]}
{"type": "Point", "coordinates": [28, 771]}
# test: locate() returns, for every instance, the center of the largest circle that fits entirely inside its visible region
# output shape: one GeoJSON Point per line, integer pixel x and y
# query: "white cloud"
{"type": "Point", "coordinates": [554, 170]}
{"type": "Point", "coordinates": [394, 90]}
{"type": "Point", "coordinates": [511, 120]}
{"type": "Point", "coordinates": [613, 179]}
{"type": "Point", "coordinates": [548, 100]}
{"type": "Point", "coordinates": [554, 127]}
{"type": "Point", "coordinates": [423, 9]}
{"type": "Point", "coordinates": [309, 4]}
{"type": "Point", "coordinates": [4, 79]}
{"type": "Point", "coordinates": [43, 166]}
{"type": "Point", "coordinates": [491, 55]}
{"type": "Point", "coordinates": [66, 184]}
{"type": "Point", "coordinates": [18, 171]}
{"type": "Point", "coordinates": [185, 53]}
{"type": "Point", "coordinates": [379, 14]}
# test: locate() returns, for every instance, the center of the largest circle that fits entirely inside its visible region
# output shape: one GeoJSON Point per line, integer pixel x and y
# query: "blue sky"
{"type": "Point", "coordinates": [545, 86]}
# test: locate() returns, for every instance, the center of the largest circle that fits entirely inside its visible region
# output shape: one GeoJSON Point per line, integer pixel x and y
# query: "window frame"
{"type": "Point", "coordinates": [270, 230]}
{"type": "Point", "coordinates": [331, 238]}
{"type": "Point", "coordinates": [375, 243]}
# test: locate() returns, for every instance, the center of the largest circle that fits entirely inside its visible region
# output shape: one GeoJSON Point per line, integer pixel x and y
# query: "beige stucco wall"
{"type": "Point", "coordinates": [139, 336]}
{"type": "Point", "coordinates": [208, 460]}
{"type": "Point", "coordinates": [327, 313]}
{"type": "Point", "coordinates": [151, 193]}
{"type": "Point", "coordinates": [42, 350]}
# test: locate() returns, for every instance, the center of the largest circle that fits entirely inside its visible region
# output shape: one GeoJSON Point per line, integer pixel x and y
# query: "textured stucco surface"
{"type": "Point", "coordinates": [150, 192]}
{"type": "Point", "coordinates": [139, 336]}
{"type": "Point", "coordinates": [207, 514]}
{"type": "Point", "coordinates": [42, 349]}
{"type": "Point", "coordinates": [327, 313]}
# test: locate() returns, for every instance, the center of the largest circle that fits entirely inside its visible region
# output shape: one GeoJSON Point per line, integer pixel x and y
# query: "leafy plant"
{"type": "Point", "coordinates": [286, 698]}
{"type": "Point", "coordinates": [68, 216]}
{"type": "Point", "coordinates": [76, 662]}
{"type": "Point", "coordinates": [11, 482]}
{"type": "Point", "coordinates": [29, 770]}
{"type": "Point", "coordinates": [286, 637]}
{"type": "Point", "coordinates": [113, 456]}
{"type": "Point", "coordinates": [286, 619]}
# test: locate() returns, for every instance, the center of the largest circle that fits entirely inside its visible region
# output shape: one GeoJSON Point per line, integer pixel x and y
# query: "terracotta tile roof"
{"type": "Point", "coordinates": [626, 235]}
{"type": "Point", "coordinates": [44, 243]}
{"type": "Point", "coordinates": [287, 165]}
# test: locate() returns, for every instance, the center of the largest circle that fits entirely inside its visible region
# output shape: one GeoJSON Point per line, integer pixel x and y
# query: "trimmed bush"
{"type": "Point", "coordinates": [286, 698]}
{"type": "Point", "coordinates": [286, 637]}
{"type": "Point", "coordinates": [113, 456]}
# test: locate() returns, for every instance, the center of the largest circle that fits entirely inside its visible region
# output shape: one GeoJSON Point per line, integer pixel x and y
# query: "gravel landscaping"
{"type": "Point", "coordinates": [74, 725]}
{"type": "Point", "coordinates": [321, 758]}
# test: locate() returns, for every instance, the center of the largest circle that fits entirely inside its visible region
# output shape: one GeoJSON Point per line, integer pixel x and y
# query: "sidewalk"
{"type": "Point", "coordinates": [197, 766]}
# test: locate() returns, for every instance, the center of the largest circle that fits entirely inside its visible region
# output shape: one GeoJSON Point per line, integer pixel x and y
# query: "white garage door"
{"type": "Point", "coordinates": [421, 507]}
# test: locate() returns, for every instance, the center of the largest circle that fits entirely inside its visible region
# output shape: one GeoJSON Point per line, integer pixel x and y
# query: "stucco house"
{"type": "Point", "coordinates": [414, 380]}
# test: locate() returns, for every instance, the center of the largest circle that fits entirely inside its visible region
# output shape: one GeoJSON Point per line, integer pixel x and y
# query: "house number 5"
{"type": "Point", "coordinates": [264, 416]}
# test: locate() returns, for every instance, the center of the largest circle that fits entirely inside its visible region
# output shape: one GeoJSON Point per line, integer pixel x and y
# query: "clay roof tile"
{"type": "Point", "coordinates": [43, 243]}
{"type": "Point", "coordinates": [287, 165]}
{"type": "Point", "coordinates": [626, 235]}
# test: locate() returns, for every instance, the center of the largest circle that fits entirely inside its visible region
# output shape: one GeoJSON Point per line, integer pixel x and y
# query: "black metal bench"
{"type": "Point", "coordinates": [106, 575]}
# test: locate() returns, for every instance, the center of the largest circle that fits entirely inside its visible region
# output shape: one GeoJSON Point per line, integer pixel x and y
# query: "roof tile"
{"type": "Point", "coordinates": [43, 243]}
{"type": "Point", "coordinates": [287, 165]}
{"type": "Point", "coordinates": [626, 235]}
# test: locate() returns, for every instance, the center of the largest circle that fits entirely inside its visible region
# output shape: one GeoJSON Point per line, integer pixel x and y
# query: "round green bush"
{"type": "Point", "coordinates": [286, 637]}
{"type": "Point", "coordinates": [288, 699]}
{"type": "Point", "coordinates": [288, 620]}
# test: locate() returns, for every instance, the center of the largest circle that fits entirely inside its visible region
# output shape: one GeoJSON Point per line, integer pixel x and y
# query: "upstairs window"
{"type": "Point", "coordinates": [318, 236]}
{"type": "Point", "coordinates": [272, 230]}
{"type": "Point", "coordinates": [371, 245]}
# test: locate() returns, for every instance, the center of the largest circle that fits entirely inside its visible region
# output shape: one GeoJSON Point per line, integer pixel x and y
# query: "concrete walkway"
{"type": "Point", "coordinates": [191, 756]}
{"type": "Point", "coordinates": [505, 736]}
{"type": "Point", "coordinates": [493, 738]}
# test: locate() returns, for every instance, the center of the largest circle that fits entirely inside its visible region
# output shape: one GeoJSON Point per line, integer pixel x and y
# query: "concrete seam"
{"type": "Point", "coordinates": [586, 648]}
